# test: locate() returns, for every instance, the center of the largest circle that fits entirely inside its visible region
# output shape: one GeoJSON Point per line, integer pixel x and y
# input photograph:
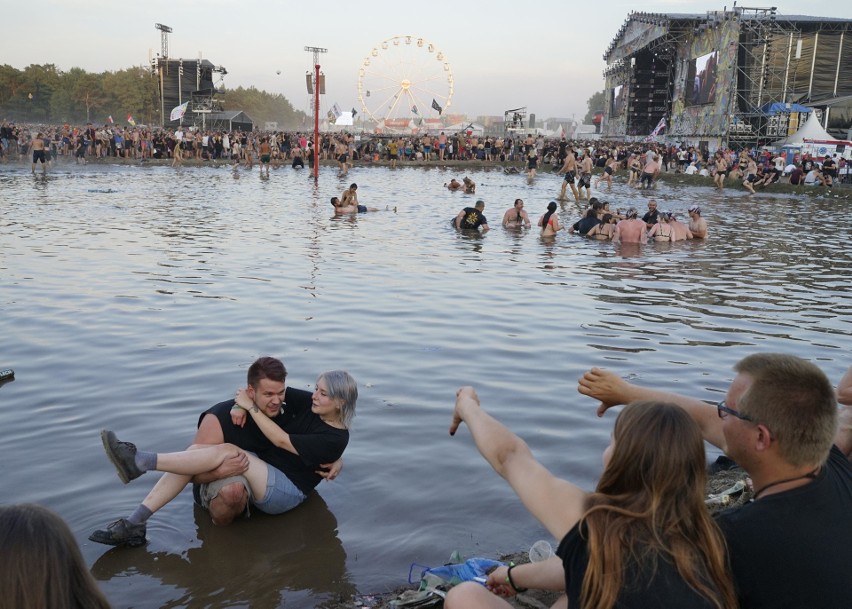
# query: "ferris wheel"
{"type": "Point", "coordinates": [401, 78]}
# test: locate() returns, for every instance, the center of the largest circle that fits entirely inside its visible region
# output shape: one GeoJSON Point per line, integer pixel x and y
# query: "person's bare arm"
{"type": "Point", "coordinates": [612, 390]}
{"type": "Point", "coordinates": [459, 217]}
{"type": "Point", "coordinates": [556, 503]}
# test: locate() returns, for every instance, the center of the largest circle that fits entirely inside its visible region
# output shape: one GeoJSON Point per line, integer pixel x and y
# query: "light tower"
{"type": "Point", "coordinates": [164, 38]}
{"type": "Point", "coordinates": [161, 61]}
{"type": "Point", "coordinates": [316, 51]}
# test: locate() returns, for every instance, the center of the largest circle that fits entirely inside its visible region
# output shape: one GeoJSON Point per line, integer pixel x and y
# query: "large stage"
{"type": "Point", "coordinates": [717, 79]}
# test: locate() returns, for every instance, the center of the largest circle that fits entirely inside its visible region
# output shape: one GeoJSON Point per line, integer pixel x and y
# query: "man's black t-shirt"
{"type": "Point", "coordinates": [794, 549]}
{"type": "Point", "coordinates": [473, 219]}
{"type": "Point", "coordinates": [316, 441]}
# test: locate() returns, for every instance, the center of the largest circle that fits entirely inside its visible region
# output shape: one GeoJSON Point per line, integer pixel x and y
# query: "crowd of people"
{"type": "Point", "coordinates": [599, 222]}
{"type": "Point", "coordinates": [753, 168]}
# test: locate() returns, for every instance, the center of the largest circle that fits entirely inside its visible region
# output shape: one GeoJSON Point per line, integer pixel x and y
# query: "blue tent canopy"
{"type": "Point", "coordinates": [779, 107]}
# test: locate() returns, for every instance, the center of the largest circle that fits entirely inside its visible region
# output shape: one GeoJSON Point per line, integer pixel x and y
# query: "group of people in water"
{"type": "Point", "coordinates": [599, 222]}
{"type": "Point", "coordinates": [643, 537]}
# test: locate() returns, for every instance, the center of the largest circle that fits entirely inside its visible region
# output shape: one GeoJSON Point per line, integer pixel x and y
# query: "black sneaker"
{"type": "Point", "coordinates": [120, 532]}
{"type": "Point", "coordinates": [122, 455]}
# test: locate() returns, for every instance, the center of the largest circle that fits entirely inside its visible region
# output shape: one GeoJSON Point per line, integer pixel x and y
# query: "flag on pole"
{"type": "Point", "coordinates": [353, 113]}
{"type": "Point", "coordinates": [336, 110]}
{"type": "Point", "coordinates": [660, 126]}
{"type": "Point", "coordinates": [130, 120]}
{"type": "Point", "coordinates": [414, 109]}
{"type": "Point", "coordinates": [178, 111]}
{"type": "Point", "coordinates": [109, 119]}
{"type": "Point", "coordinates": [436, 106]}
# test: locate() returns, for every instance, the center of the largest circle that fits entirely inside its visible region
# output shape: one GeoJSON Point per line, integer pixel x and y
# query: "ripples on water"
{"type": "Point", "coordinates": [135, 297]}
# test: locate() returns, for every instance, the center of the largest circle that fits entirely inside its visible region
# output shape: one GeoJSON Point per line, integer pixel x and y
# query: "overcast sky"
{"type": "Point", "coordinates": [545, 55]}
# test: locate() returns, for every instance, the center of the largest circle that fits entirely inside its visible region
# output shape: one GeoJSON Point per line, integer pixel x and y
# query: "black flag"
{"type": "Point", "coordinates": [436, 106]}
{"type": "Point", "coordinates": [414, 109]}
{"type": "Point", "coordinates": [353, 113]}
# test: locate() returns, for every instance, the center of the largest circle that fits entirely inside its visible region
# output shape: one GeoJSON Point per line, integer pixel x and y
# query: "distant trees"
{"type": "Point", "coordinates": [265, 107]}
{"type": "Point", "coordinates": [44, 94]}
{"type": "Point", "coordinates": [596, 103]}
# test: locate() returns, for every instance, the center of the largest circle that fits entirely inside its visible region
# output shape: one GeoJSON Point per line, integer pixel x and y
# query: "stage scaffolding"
{"type": "Point", "coordinates": [771, 59]}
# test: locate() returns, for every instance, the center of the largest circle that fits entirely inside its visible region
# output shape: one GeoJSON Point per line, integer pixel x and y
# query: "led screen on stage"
{"type": "Point", "coordinates": [701, 80]}
{"type": "Point", "coordinates": [618, 95]}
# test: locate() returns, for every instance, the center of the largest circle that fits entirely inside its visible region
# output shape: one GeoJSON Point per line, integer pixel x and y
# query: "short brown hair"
{"type": "Point", "coordinates": [796, 402]}
{"type": "Point", "coordinates": [266, 368]}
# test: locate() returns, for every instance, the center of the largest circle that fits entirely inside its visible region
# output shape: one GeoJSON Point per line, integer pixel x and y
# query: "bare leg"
{"type": "Point", "coordinates": [473, 595]}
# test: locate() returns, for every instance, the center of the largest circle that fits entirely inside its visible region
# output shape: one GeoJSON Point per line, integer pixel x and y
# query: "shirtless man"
{"type": "Point", "coordinates": [341, 152]}
{"type": "Point", "coordinates": [454, 185]}
{"type": "Point", "coordinates": [697, 224]}
{"type": "Point", "coordinates": [750, 175]}
{"type": "Point", "coordinates": [585, 176]}
{"type": "Point", "coordinates": [469, 186]}
{"type": "Point", "coordinates": [569, 168]}
{"type": "Point", "coordinates": [631, 229]}
{"type": "Point", "coordinates": [426, 142]}
{"type": "Point", "coordinates": [442, 145]}
{"type": "Point", "coordinates": [38, 153]}
{"type": "Point", "coordinates": [650, 172]}
{"type": "Point", "coordinates": [351, 208]}
{"type": "Point", "coordinates": [265, 151]}
{"type": "Point", "coordinates": [349, 196]}
{"type": "Point", "coordinates": [516, 215]}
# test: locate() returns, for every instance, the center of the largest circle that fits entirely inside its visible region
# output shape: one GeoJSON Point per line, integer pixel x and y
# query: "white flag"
{"type": "Point", "coordinates": [178, 112]}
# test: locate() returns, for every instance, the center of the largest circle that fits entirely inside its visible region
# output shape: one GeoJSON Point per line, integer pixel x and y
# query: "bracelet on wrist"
{"type": "Point", "coordinates": [511, 582]}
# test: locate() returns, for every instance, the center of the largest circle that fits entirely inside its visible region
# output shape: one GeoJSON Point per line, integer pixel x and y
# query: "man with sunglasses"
{"type": "Point", "coordinates": [792, 545]}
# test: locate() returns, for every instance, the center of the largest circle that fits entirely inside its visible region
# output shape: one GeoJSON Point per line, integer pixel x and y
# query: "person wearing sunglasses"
{"type": "Point", "coordinates": [792, 545]}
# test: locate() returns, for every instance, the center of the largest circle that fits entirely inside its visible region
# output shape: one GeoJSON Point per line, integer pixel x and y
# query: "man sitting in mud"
{"type": "Point", "coordinates": [352, 208]}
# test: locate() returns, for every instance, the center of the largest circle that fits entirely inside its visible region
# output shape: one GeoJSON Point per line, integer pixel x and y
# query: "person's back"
{"type": "Point", "coordinates": [631, 229]}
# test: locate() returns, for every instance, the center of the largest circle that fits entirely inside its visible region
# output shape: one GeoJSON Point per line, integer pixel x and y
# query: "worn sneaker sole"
{"type": "Point", "coordinates": [107, 438]}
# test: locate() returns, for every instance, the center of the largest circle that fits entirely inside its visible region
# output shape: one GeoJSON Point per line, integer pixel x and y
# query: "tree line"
{"type": "Point", "coordinates": [45, 94]}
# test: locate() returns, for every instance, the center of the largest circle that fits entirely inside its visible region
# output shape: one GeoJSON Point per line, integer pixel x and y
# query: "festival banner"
{"type": "Point", "coordinates": [660, 126]}
{"type": "Point", "coordinates": [178, 111]}
{"type": "Point", "coordinates": [130, 120]}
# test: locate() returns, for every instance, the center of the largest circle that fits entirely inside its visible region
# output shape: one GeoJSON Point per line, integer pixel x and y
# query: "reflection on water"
{"type": "Point", "coordinates": [267, 559]}
{"type": "Point", "coordinates": [134, 298]}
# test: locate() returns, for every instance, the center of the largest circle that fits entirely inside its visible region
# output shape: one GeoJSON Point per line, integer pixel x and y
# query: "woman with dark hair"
{"type": "Point", "coordinates": [604, 230]}
{"type": "Point", "coordinates": [303, 435]}
{"type": "Point", "coordinates": [644, 538]}
{"type": "Point", "coordinates": [40, 563]}
{"type": "Point", "coordinates": [549, 222]}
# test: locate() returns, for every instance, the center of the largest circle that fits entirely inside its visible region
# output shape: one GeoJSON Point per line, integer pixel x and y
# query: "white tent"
{"type": "Point", "coordinates": [811, 130]}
